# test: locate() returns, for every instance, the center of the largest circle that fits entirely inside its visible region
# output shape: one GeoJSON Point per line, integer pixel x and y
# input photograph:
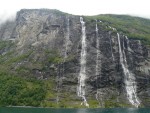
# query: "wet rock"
{"type": "Point", "coordinates": [46, 30]}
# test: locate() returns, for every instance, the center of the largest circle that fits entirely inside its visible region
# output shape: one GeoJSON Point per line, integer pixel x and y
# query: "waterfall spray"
{"type": "Point", "coordinates": [82, 74]}
{"type": "Point", "coordinates": [98, 62]}
{"type": "Point", "coordinates": [129, 78]}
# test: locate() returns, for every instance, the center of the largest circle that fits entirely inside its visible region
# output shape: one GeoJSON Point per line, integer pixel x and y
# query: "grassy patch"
{"type": "Point", "coordinates": [19, 91]}
{"type": "Point", "coordinates": [133, 27]}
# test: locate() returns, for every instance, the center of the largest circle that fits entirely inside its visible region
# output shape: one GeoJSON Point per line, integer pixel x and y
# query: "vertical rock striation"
{"type": "Point", "coordinates": [96, 59]}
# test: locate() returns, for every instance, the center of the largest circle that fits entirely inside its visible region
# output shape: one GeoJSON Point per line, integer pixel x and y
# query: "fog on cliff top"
{"type": "Point", "coordinates": [8, 8]}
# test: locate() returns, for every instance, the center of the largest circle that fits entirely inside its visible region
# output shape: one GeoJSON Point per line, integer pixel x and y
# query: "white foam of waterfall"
{"type": "Point", "coordinates": [98, 62]}
{"type": "Point", "coordinates": [129, 79]}
{"type": "Point", "coordinates": [98, 52]}
{"type": "Point", "coordinates": [128, 47]}
{"type": "Point", "coordinates": [82, 74]}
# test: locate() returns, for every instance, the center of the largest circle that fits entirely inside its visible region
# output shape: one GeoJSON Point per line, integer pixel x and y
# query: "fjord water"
{"type": "Point", "coordinates": [53, 110]}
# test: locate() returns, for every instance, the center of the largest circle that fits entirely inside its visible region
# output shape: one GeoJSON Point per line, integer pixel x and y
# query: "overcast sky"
{"type": "Point", "coordinates": [79, 7]}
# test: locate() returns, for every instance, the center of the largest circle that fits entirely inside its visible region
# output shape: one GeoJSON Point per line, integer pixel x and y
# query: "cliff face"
{"type": "Point", "coordinates": [114, 75]}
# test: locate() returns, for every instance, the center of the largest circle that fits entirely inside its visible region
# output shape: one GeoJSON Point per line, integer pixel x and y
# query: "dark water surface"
{"type": "Point", "coordinates": [53, 110]}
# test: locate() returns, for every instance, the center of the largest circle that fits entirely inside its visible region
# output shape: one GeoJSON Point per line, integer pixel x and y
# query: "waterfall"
{"type": "Point", "coordinates": [110, 41]}
{"type": "Point", "coordinates": [128, 47]}
{"type": "Point", "coordinates": [82, 74]}
{"type": "Point", "coordinates": [67, 40]}
{"type": "Point", "coordinates": [60, 71]}
{"type": "Point", "coordinates": [97, 60]}
{"type": "Point", "coordinates": [98, 52]}
{"type": "Point", "coordinates": [129, 78]}
{"type": "Point", "coordinates": [67, 43]}
{"type": "Point", "coordinates": [58, 84]}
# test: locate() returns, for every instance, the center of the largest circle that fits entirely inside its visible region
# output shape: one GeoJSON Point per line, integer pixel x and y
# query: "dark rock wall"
{"type": "Point", "coordinates": [47, 30]}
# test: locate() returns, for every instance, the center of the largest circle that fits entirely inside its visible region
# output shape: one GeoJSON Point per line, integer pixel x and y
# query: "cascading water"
{"type": "Point", "coordinates": [58, 84]}
{"type": "Point", "coordinates": [128, 47]}
{"type": "Point", "coordinates": [67, 43]}
{"type": "Point", "coordinates": [82, 74]}
{"type": "Point", "coordinates": [60, 72]}
{"type": "Point", "coordinates": [67, 40]}
{"type": "Point", "coordinates": [97, 59]}
{"type": "Point", "coordinates": [98, 52]}
{"type": "Point", "coordinates": [112, 55]}
{"type": "Point", "coordinates": [129, 78]}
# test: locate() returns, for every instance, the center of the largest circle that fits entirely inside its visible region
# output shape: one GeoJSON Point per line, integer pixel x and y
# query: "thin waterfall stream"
{"type": "Point", "coordinates": [129, 79]}
{"type": "Point", "coordinates": [98, 62]}
{"type": "Point", "coordinates": [82, 74]}
{"type": "Point", "coordinates": [67, 40]}
{"type": "Point", "coordinates": [59, 73]}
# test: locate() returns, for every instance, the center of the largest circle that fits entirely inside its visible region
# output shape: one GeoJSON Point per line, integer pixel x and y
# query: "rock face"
{"type": "Point", "coordinates": [54, 40]}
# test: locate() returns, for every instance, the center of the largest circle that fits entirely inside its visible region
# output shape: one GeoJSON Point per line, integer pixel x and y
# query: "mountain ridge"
{"type": "Point", "coordinates": [41, 50]}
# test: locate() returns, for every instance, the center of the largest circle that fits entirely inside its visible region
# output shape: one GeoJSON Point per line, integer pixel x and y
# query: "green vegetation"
{"type": "Point", "coordinates": [19, 91]}
{"type": "Point", "coordinates": [18, 87]}
{"type": "Point", "coordinates": [133, 27]}
{"type": "Point", "coordinates": [18, 58]}
{"type": "Point", "coordinates": [5, 44]}
{"type": "Point", "coordinates": [111, 103]}
{"type": "Point", "coordinates": [53, 57]}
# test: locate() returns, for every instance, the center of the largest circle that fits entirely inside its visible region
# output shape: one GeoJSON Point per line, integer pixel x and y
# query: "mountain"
{"type": "Point", "coordinates": [53, 59]}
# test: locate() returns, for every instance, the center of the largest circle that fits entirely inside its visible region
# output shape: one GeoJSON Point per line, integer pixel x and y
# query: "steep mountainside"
{"type": "Point", "coordinates": [52, 59]}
